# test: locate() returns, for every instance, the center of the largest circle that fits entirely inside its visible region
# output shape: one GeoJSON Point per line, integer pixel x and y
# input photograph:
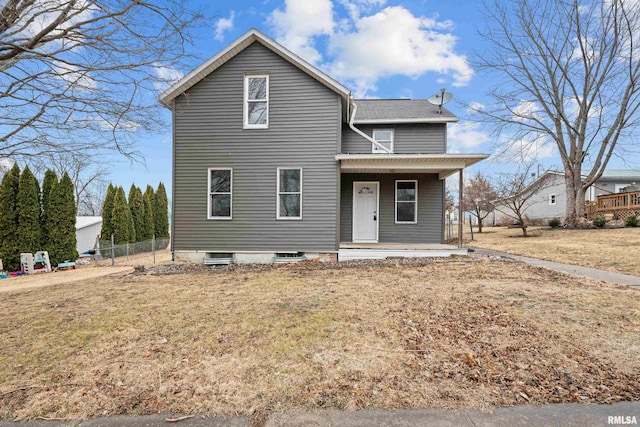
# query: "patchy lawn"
{"type": "Point", "coordinates": [608, 249]}
{"type": "Point", "coordinates": [415, 334]}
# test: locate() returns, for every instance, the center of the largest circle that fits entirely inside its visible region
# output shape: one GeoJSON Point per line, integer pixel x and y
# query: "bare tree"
{"type": "Point", "coordinates": [479, 196]}
{"type": "Point", "coordinates": [565, 73]}
{"type": "Point", "coordinates": [516, 191]}
{"type": "Point", "coordinates": [89, 177]}
{"type": "Point", "coordinates": [83, 74]}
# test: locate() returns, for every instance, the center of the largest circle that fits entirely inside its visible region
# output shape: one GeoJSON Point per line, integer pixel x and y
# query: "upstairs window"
{"type": "Point", "coordinates": [406, 202]}
{"type": "Point", "coordinates": [289, 193]}
{"type": "Point", "coordinates": [256, 101]}
{"type": "Point", "coordinates": [383, 137]}
{"type": "Point", "coordinates": [220, 193]}
{"type": "Point", "coordinates": [552, 199]}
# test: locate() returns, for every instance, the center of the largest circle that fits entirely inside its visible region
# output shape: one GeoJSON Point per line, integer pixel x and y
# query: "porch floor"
{"type": "Point", "coordinates": [351, 251]}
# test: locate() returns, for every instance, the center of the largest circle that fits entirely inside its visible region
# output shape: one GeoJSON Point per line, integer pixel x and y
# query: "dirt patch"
{"type": "Point", "coordinates": [606, 249]}
{"type": "Point", "coordinates": [458, 333]}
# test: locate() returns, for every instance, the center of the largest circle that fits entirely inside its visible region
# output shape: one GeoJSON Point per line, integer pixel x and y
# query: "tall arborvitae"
{"type": "Point", "coordinates": [136, 206]}
{"type": "Point", "coordinates": [48, 183]}
{"type": "Point", "coordinates": [62, 220]}
{"type": "Point", "coordinates": [161, 212]}
{"type": "Point", "coordinates": [107, 211]}
{"type": "Point", "coordinates": [9, 219]}
{"type": "Point", "coordinates": [121, 218]}
{"type": "Point", "coordinates": [28, 208]}
{"type": "Point", "coordinates": [148, 218]}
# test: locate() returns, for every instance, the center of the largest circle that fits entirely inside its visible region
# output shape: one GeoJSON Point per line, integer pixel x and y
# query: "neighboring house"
{"type": "Point", "coordinates": [550, 198]}
{"type": "Point", "coordinates": [266, 163]}
{"type": "Point", "coordinates": [87, 230]}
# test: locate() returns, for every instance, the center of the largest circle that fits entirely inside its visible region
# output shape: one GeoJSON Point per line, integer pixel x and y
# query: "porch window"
{"type": "Point", "coordinates": [552, 199]}
{"type": "Point", "coordinates": [383, 137]}
{"type": "Point", "coordinates": [289, 204]}
{"type": "Point", "coordinates": [256, 101]}
{"type": "Point", "coordinates": [220, 193]}
{"type": "Point", "coordinates": [406, 202]}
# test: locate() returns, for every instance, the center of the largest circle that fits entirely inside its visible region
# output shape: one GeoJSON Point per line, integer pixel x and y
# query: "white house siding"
{"type": "Point", "coordinates": [86, 237]}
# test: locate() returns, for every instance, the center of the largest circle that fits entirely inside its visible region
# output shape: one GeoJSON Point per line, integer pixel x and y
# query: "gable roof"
{"type": "Point", "coordinates": [86, 221]}
{"type": "Point", "coordinates": [620, 174]}
{"type": "Point", "coordinates": [381, 111]}
{"type": "Point", "coordinates": [238, 46]}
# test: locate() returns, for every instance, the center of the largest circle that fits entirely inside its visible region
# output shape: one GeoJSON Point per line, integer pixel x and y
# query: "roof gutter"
{"type": "Point", "coordinates": [359, 132]}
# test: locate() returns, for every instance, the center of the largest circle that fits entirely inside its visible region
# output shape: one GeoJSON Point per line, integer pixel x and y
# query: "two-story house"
{"type": "Point", "coordinates": [273, 158]}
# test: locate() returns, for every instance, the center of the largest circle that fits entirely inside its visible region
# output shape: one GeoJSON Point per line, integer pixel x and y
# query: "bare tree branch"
{"type": "Point", "coordinates": [565, 72]}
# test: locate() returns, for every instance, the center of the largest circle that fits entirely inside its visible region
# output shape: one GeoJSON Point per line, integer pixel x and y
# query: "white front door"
{"type": "Point", "coordinates": [365, 211]}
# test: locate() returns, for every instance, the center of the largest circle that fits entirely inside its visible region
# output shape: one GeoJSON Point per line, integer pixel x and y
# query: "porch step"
{"type": "Point", "coordinates": [355, 254]}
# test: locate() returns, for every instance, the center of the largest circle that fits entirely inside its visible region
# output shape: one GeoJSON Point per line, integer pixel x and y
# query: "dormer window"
{"type": "Point", "coordinates": [256, 101]}
{"type": "Point", "coordinates": [383, 137]}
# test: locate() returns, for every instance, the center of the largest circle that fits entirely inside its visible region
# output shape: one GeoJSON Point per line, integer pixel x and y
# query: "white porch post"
{"type": "Point", "coordinates": [460, 212]}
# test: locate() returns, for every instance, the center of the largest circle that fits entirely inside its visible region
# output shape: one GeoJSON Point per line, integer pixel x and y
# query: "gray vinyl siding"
{"type": "Point", "coordinates": [408, 138]}
{"type": "Point", "coordinates": [429, 228]}
{"type": "Point", "coordinates": [609, 186]}
{"type": "Point", "coordinates": [303, 129]}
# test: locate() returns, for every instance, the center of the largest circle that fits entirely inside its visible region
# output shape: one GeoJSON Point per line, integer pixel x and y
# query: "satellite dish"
{"type": "Point", "coordinates": [440, 99]}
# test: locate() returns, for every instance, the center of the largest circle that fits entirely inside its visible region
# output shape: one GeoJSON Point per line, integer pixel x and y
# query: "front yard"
{"type": "Point", "coordinates": [459, 333]}
{"type": "Point", "coordinates": [607, 249]}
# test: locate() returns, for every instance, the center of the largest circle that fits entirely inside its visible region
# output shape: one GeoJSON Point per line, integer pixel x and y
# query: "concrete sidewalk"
{"type": "Point", "coordinates": [565, 415]}
{"type": "Point", "coordinates": [591, 273]}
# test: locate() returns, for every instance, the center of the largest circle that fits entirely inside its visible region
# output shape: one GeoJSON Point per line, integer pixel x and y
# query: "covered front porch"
{"type": "Point", "coordinates": [392, 205]}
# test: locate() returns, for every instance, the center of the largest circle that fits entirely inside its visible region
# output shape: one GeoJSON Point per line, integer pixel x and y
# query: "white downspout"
{"type": "Point", "coordinates": [362, 134]}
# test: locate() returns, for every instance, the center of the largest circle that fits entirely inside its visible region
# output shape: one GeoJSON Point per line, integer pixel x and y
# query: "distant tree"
{"type": "Point", "coordinates": [9, 219]}
{"type": "Point", "coordinates": [479, 196]}
{"type": "Point", "coordinates": [107, 212]}
{"type": "Point", "coordinates": [515, 192]}
{"type": "Point", "coordinates": [121, 218]}
{"type": "Point", "coordinates": [149, 228]}
{"type": "Point", "coordinates": [48, 184]}
{"type": "Point", "coordinates": [27, 234]}
{"type": "Point", "coordinates": [161, 213]}
{"type": "Point", "coordinates": [136, 206]}
{"type": "Point", "coordinates": [62, 221]}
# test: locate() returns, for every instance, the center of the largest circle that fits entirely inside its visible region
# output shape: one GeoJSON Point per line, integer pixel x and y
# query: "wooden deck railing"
{"type": "Point", "coordinates": [619, 203]}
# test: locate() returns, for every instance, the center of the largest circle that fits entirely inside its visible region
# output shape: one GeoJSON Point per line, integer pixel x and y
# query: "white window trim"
{"type": "Point", "coordinates": [375, 149]}
{"type": "Point", "coordinates": [209, 193]}
{"type": "Point", "coordinates": [286, 218]}
{"type": "Point", "coordinates": [245, 103]}
{"type": "Point", "coordinates": [554, 198]}
{"type": "Point", "coordinates": [395, 206]}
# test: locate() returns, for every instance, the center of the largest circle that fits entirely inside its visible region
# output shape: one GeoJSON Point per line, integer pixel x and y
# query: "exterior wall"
{"type": "Point", "coordinates": [408, 138]}
{"type": "Point", "coordinates": [86, 237]}
{"type": "Point", "coordinates": [609, 186]}
{"type": "Point", "coordinates": [304, 128]}
{"type": "Point", "coordinates": [538, 207]}
{"type": "Point", "coordinates": [429, 228]}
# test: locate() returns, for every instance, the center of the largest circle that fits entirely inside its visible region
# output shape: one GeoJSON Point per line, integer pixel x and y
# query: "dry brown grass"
{"type": "Point", "coordinates": [606, 249]}
{"type": "Point", "coordinates": [393, 335]}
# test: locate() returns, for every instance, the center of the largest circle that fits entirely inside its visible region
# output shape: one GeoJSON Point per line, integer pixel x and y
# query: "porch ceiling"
{"type": "Point", "coordinates": [442, 164]}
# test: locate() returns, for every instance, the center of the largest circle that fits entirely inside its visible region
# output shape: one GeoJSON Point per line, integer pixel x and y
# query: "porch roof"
{"type": "Point", "coordinates": [442, 164]}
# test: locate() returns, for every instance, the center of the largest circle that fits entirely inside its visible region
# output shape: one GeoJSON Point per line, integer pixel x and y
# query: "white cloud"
{"type": "Point", "coordinates": [395, 42]}
{"type": "Point", "coordinates": [464, 136]}
{"type": "Point", "coordinates": [526, 149]}
{"type": "Point", "coordinates": [5, 165]}
{"type": "Point", "coordinates": [72, 75]}
{"type": "Point", "coordinates": [300, 22]}
{"type": "Point", "coordinates": [224, 24]}
{"type": "Point", "coordinates": [371, 43]}
{"type": "Point", "coordinates": [166, 76]}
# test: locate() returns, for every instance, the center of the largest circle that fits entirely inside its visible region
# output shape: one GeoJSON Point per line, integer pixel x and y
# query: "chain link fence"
{"type": "Point", "coordinates": [131, 253]}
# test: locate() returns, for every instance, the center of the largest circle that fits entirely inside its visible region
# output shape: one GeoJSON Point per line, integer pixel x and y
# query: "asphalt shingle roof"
{"type": "Point", "coordinates": [387, 110]}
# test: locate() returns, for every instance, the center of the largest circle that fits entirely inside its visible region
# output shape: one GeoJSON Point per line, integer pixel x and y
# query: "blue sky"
{"type": "Point", "coordinates": [378, 48]}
